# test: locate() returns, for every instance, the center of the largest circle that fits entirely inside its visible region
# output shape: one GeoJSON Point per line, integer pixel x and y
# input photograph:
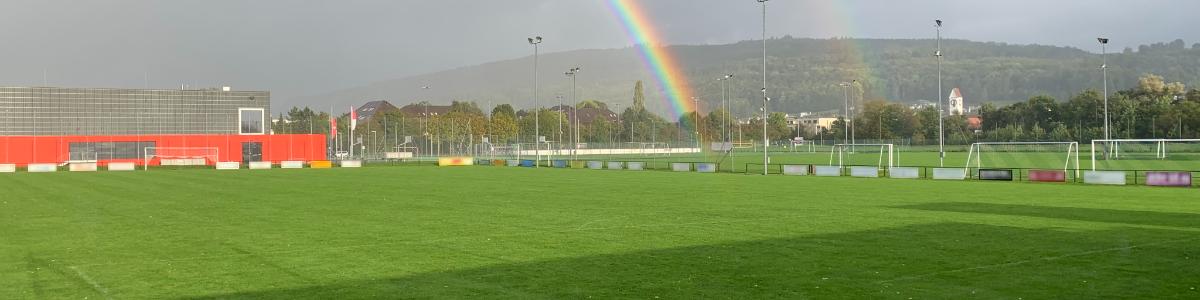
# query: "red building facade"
{"type": "Point", "coordinates": [24, 150]}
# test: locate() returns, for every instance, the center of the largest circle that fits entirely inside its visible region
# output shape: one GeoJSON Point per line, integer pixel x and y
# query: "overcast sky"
{"type": "Point", "coordinates": [295, 48]}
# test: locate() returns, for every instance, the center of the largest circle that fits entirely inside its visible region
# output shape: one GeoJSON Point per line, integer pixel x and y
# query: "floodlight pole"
{"type": "Point", "coordinates": [941, 110]}
{"type": "Point", "coordinates": [766, 140]}
{"type": "Point", "coordinates": [846, 112]}
{"type": "Point", "coordinates": [537, 131]}
{"type": "Point", "coordinates": [560, 121]}
{"type": "Point", "coordinates": [726, 136]}
{"type": "Point", "coordinates": [1104, 71]}
{"type": "Point", "coordinates": [853, 112]}
{"type": "Point", "coordinates": [575, 99]}
{"type": "Point", "coordinates": [696, 124]}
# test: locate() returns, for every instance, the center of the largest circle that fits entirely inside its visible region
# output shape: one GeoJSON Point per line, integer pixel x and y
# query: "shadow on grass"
{"type": "Point", "coordinates": [944, 260]}
{"type": "Point", "coordinates": [1068, 213]}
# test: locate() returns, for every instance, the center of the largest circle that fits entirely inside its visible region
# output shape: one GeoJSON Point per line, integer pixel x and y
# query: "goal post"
{"type": "Point", "coordinates": [1030, 154]}
{"type": "Point", "coordinates": [843, 152]}
{"type": "Point", "coordinates": [179, 156]}
{"type": "Point", "coordinates": [1144, 150]}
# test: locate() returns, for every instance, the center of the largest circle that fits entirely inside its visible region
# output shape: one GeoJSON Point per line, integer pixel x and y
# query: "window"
{"type": "Point", "coordinates": [250, 121]}
{"type": "Point", "coordinates": [108, 150]}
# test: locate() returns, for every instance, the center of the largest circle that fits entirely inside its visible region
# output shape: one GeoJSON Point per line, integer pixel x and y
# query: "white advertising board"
{"type": "Point", "coordinates": [904, 173]}
{"type": "Point", "coordinates": [260, 165]}
{"type": "Point", "coordinates": [291, 164]}
{"type": "Point", "coordinates": [41, 168]}
{"type": "Point", "coordinates": [82, 167]}
{"type": "Point", "coordinates": [351, 163]}
{"type": "Point", "coordinates": [828, 171]}
{"type": "Point", "coordinates": [798, 170]}
{"type": "Point", "coordinates": [8, 168]}
{"type": "Point", "coordinates": [681, 167]}
{"type": "Point", "coordinates": [616, 165]}
{"type": "Point", "coordinates": [121, 166]}
{"type": "Point", "coordinates": [865, 172]}
{"type": "Point", "coordinates": [595, 165]}
{"type": "Point", "coordinates": [949, 174]}
{"type": "Point", "coordinates": [229, 165]}
{"type": "Point", "coordinates": [1104, 177]}
{"type": "Point", "coordinates": [635, 165]}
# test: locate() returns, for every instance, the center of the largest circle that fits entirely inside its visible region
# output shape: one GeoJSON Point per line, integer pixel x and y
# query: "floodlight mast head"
{"type": "Point", "coordinates": [535, 40]}
{"type": "Point", "coordinates": [937, 23]}
{"type": "Point", "coordinates": [1103, 41]}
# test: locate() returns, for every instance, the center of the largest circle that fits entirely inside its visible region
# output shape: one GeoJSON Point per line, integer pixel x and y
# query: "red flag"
{"type": "Point", "coordinates": [332, 127]}
{"type": "Point", "coordinates": [353, 118]}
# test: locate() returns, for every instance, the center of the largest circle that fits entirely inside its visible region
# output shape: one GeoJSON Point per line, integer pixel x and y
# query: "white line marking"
{"type": "Point", "coordinates": [95, 285]}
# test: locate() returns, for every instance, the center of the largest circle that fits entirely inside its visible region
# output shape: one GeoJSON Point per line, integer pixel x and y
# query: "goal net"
{"type": "Point", "coordinates": [179, 156]}
{"type": "Point", "coordinates": [1024, 155]}
{"type": "Point", "coordinates": [880, 155]}
{"type": "Point", "coordinates": [1146, 154]}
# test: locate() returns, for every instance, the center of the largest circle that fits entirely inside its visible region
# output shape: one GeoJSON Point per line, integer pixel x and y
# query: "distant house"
{"type": "Point", "coordinates": [424, 110]}
{"type": "Point", "coordinates": [368, 110]}
{"type": "Point", "coordinates": [813, 122]}
{"type": "Point", "coordinates": [974, 122]}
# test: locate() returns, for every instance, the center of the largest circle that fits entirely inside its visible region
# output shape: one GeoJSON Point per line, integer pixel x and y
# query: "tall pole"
{"type": "Point", "coordinates": [766, 140]}
{"type": "Point", "coordinates": [537, 131]}
{"type": "Point", "coordinates": [845, 112]}
{"type": "Point", "coordinates": [696, 124]}
{"type": "Point", "coordinates": [941, 110]}
{"type": "Point", "coordinates": [425, 126]}
{"type": "Point", "coordinates": [560, 121]}
{"type": "Point", "coordinates": [853, 113]}
{"type": "Point", "coordinates": [575, 105]}
{"type": "Point", "coordinates": [1104, 70]}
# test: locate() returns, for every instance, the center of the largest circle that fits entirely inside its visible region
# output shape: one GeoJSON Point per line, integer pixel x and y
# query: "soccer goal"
{"type": "Point", "coordinates": [1031, 155]}
{"type": "Point", "coordinates": [179, 156]}
{"type": "Point", "coordinates": [881, 155]}
{"type": "Point", "coordinates": [1143, 153]}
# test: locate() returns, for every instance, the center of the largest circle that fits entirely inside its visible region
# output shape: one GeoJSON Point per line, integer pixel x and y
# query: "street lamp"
{"type": "Point", "coordinates": [941, 110]}
{"type": "Point", "coordinates": [766, 141]}
{"type": "Point", "coordinates": [1104, 70]}
{"type": "Point", "coordinates": [575, 100]}
{"type": "Point", "coordinates": [537, 131]}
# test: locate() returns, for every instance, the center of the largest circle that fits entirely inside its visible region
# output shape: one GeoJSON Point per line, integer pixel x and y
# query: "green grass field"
{"type": "Point", "coordinates": [923, 158]}
{"type": "Point", "coordinates": [497, 232]}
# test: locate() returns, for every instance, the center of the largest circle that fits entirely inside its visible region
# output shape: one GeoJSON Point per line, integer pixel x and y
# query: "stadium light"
{"type": "Point", "coordinates": [575, 104]}
{"type": "Point", "coordinates": [766, 140]}
{"type": "Point", "coordinates": [941, 110]}
{"type": "Point", "coordinates": [727, 132]}
{"type": "Point", "coordinates": [537, 131]}
{"type": "Point", "coordinates": [845, 111]}
{"type": "Point", "coordinates": [1104, 71]}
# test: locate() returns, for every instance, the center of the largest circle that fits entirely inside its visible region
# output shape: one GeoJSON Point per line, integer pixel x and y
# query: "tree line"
{"type": "Point", "coordinates": [1154, 108]}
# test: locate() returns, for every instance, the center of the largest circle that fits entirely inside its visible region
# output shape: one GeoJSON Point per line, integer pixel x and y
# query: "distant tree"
{"type": "Point", "coordinates": [465, 107]}
{"type": "Point", "coordinates": [639, 98]}
{"type": "Point", "coordinates": [504, 110]}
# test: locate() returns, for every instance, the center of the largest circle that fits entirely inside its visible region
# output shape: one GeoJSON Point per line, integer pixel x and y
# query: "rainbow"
{"type": "Point", "coordinates": [659, 59]}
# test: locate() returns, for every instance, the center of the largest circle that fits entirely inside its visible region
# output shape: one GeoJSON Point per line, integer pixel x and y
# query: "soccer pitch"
{"type": "Point", "coordinates": [498, 232]}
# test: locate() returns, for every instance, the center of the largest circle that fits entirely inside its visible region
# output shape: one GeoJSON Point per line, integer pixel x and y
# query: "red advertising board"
{"type": "Point", "coordinates": [1048, 175]}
